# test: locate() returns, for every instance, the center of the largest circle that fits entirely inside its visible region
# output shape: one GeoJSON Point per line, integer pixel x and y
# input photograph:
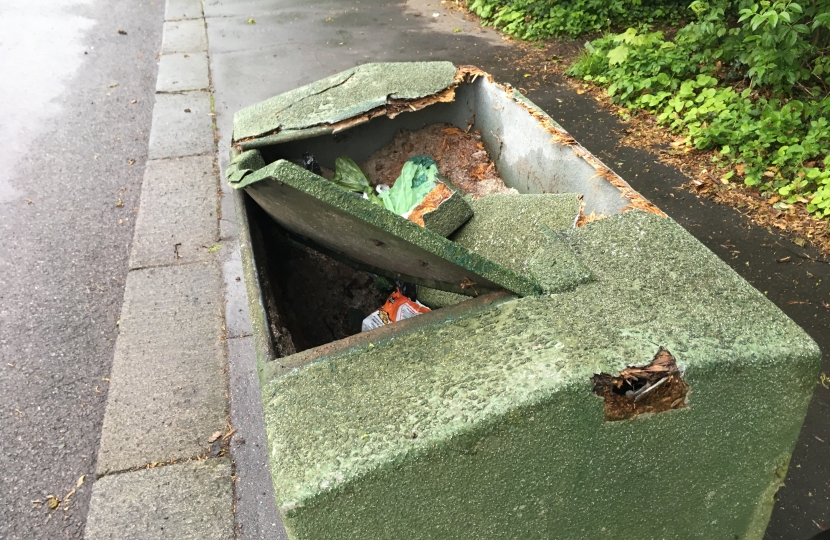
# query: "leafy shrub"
{"type": "Point", "coordinates": [531, 19]}
{"type": "Point", "coordinates": [749, 78]}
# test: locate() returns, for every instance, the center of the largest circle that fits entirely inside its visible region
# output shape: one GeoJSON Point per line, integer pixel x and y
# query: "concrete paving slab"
{"type": "Point", "coordinates": [182, 9]}
{"type": "Point", "coordinates": [186, 36]}
{"type": "Point", "coordinates": [177, 220]}
{"type": "Point", "coordinates": [186, 501]}
{"type": "Point", "coordinates": [179, 72]}
{"type": "Point", "coordinates": [182, 125]}
{"type": "Point", "coordinates": [168, 384]}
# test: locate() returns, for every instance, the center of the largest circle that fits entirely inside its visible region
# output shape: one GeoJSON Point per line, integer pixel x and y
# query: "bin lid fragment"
{"type": "Point", "coordinates": [324, 103]}
{"type": "Point", "coordinates": [372, 238]}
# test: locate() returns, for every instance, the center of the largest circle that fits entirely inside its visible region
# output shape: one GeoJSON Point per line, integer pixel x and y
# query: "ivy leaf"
{"type": "Point", "coordinates": [617, 55]}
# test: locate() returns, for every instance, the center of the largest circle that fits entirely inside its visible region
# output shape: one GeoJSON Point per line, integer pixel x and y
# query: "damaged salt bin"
{"type": "Point", "coordinates": [585, 362]}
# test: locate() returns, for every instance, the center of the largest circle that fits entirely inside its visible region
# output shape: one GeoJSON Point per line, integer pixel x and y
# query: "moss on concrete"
{"type": "Point", "coordinates": [487, 427]}
{"type": "Point", "coordinates": [342, 96]}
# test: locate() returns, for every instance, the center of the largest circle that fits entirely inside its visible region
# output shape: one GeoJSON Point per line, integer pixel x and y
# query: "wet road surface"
{"type": "Point", "coordinates": [73, 146]}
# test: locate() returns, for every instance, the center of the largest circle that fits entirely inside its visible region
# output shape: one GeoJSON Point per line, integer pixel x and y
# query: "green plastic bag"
{"type": "Point", "coordinates": [349, 176]}
{"type": "Point", "coordinates": [419, 176]}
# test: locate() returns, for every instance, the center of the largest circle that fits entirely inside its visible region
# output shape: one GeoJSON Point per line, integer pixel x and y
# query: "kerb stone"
{"type": "Point", "coordinates": [176, 221]}
{"type": "Point", "coordinates": [182, 125]}
{"type": "Point", "coordinates": [179, 72]}
{"type": "Point", "coordinates": [168, 383]}
{"type": "Point", "coordinates": [185, 501]}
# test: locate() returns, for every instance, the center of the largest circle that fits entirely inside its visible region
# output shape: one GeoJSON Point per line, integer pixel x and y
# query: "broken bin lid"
{"type": "Point", "coordinates": [370, 237]}
{"type": "Point", "coordinates": [346, 99]}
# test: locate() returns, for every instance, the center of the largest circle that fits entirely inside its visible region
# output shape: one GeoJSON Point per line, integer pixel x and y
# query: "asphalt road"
{"type": "Point", "coordinates": [74, 145]}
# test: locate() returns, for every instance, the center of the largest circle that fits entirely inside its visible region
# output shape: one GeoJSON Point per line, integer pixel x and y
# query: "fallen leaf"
{"type": "Point", "coordinates": [113, 85]}
{"type": "Point", "coordinates": [800, 242]}
{"type": "Point", "coordinates": [122, 32]}
{"type": "Point", "coordinates": [52, 502]}
{"type": "Point", "coordinates": [739, 169]}
{"type": "Point", "coordinates": [187, 110]}
{"type": "Point", "coordinates": [251, 21]}
{"type": "Point", "coordinates": [215, 436]}
{"type": "Point", "coordinates": [130, 162]}
{"type": "Point", "coordinates": [774, 200]}
{"type": "Point", "coordinates": [216, 247]}
{"type": "Point", "coordinates": [80, 481]}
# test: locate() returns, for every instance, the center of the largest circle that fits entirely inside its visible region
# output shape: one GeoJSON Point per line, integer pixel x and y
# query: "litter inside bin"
{"type": "Point", "coordinates": [397, 308]}
{"type": "Point", "coordinates": [349, 176]}
{"type": "Point", "coordinates": [421, 196]}
{"type": "Point", "coordinates": [309, 163]}
{"type": "Point", "coordinates": [460, 156]}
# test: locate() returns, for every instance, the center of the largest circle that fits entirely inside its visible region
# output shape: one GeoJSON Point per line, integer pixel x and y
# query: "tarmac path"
{"type": "Point", "coordinates": [76, 99]}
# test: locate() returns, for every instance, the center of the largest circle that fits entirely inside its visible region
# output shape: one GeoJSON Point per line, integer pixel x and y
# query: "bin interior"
{"type": "Point", "coordinates": [313, 299]}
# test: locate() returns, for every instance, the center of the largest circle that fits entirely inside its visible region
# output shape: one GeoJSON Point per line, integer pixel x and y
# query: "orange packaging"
{"type": "Point", "coordinates": [397, 308]}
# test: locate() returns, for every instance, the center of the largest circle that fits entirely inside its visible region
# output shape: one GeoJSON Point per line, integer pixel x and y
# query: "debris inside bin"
{"type": "Point", "coordinates": [397, 308]}
{"type": "Point", "coordinates": [460, 156]}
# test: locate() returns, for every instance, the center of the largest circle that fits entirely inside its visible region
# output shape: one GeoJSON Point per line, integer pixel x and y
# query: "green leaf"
{"type": "Point", "coordinates": [617, 55]}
